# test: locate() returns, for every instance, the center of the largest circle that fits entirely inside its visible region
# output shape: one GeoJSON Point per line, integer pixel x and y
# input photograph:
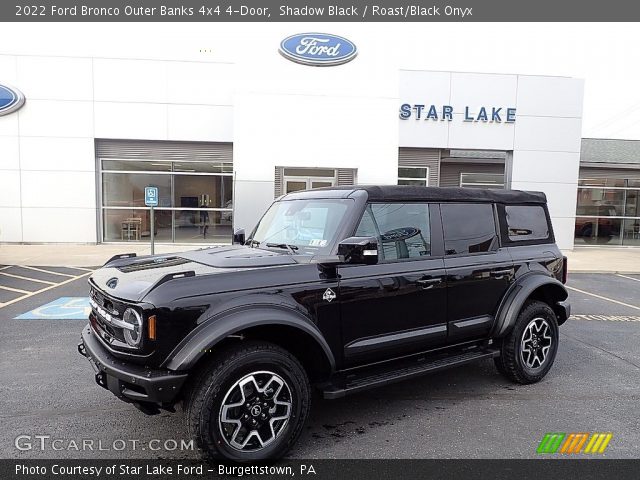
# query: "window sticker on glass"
{"type": "Point", "coordinates": [316, 242]}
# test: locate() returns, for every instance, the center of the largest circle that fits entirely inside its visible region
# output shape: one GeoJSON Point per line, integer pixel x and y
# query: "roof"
{"type": "Point", "coordinates": [608, 150]}
{"type": "Point", "coordinates": [395, 193]}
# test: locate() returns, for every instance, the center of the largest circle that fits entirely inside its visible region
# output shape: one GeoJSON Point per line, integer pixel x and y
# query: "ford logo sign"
{"type": "Point", "coordinates": [318, 49]}
{"type": "Point", "coordinates": [11, 99]}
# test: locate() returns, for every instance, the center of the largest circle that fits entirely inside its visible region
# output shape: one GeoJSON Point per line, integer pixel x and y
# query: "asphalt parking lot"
{"type": "Point", "coordinates": [47, 388]}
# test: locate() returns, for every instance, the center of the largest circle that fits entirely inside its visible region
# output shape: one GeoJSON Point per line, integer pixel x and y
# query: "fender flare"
{"type": "Point", "coordinates": [185, 355]}
{"type": "Point", "coordinates": [519, 294]}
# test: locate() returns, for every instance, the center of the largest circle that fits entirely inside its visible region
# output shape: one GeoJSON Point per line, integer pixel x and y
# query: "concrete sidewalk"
{"type": "Point", "coordinates": [592, 260]}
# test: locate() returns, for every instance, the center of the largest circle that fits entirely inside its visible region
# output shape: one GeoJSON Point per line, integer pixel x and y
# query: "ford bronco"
{"type": "Point", "coordinates": [340, 288]}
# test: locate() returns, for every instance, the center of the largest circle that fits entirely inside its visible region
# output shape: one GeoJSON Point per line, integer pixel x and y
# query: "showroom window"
{"type": "Point", "coordinates": [195, 200]}
{"type": "Point", "coordinates": [608, 212]}
{"type": "Point", "coordinates": [482, 180]}
{"type": "Point", "coordinates": [417, 176]}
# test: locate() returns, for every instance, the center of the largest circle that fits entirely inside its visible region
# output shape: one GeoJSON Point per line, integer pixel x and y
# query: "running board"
{"type": "Point", "coordinates": [353, 382]}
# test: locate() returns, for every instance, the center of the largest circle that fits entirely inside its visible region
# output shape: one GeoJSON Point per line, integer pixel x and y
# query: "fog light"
{"type": "Point", "coordinates": [133, 336]}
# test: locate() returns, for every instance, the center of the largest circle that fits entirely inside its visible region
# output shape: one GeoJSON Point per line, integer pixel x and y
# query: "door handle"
{"type": "Point", "coordinates": [427, 283]}
{"type": "Point", "coordinates": [507, 272]}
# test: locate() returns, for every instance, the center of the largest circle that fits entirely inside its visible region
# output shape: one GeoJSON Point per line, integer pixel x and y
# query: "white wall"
{"type": "Point", "coordinates": [277, 113]}
{"type": "Point", "coordinates": [545, 138]}
{"type": "Point", "coordinates": [47, 169]}
{"type": "Point", "coordinates": [287, 114]}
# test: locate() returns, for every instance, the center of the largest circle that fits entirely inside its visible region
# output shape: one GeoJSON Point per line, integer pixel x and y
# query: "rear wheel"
{"type": "Point", "coordinates": [529, 351]}
{"type": "Point", "coordinates": [249, 404]}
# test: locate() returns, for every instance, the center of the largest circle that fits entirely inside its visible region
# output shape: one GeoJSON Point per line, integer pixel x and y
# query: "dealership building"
{"type": "Point", "coordinates": [221, 140]}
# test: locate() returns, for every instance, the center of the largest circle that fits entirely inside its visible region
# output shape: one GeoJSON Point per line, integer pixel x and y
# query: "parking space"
{"type": "Point", "coordinates": [19, 282]}
{"type": "Point", "coordinates": [469, 412]}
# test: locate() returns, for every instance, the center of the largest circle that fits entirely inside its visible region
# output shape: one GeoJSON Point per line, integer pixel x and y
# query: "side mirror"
{"type": "Point", "coordinates": [359, 250]}
{"type": "Point", "coordinates": [239, 237]}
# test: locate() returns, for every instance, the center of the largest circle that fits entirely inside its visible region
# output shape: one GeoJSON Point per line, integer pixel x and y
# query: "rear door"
{"type": "Point", "coordinates": [479, 270]}
{"type": "Point", "coordinates": [399, 305]}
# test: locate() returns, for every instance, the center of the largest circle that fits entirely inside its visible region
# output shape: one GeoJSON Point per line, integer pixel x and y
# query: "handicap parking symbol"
{"type": "Point", "coordinates": [64, 308]}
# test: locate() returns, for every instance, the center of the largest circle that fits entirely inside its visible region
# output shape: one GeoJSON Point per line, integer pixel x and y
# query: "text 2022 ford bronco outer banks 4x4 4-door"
{"type": "Point", "coordinates": [342, 288]}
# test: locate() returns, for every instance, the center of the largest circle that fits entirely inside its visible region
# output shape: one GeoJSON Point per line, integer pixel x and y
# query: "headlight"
{"type": "Point", "coordinates": [132, 336]}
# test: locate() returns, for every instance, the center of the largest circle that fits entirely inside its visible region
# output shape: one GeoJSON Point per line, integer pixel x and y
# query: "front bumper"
{"type": "Point", "coordinates": [129, 382]}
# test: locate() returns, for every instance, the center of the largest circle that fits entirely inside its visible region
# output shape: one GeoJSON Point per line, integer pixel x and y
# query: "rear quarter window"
{"type": "Point", "coordinates": [527, 222]}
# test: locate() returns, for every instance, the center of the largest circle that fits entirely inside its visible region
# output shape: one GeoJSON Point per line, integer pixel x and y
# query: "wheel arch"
{"type": "Point", "coordinates": [287, 329]}
{"type": "Point", "coordinates": [532, 287]}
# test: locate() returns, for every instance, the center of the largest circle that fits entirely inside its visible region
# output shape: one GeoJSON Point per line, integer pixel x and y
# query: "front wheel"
{"type": "Point", "coordinates": [250, 403]}
{"type": "Point", "coordinates": [528, 352]}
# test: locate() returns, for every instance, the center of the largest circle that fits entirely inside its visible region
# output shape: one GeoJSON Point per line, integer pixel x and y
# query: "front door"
{"type": "Point", "coordinates": [399, 305]}
{"type": "Point", "coordinates": [479, 271]}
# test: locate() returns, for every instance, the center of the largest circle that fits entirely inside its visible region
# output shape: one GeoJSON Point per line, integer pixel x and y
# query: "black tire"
{"type": "Point", "coordinates": [221, 380]}
{"type": "Point", "coordinates": [531, 364]}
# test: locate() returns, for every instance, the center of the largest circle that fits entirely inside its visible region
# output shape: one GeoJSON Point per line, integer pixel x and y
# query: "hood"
{"type": "Point", "coordinates": [133, 278]}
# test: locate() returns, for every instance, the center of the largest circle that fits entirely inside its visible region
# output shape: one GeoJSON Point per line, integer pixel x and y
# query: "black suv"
{"type": "Point", "coordinates": [342, 288]}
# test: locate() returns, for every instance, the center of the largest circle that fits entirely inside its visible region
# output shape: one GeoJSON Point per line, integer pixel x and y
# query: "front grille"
{"type": "Point", "coordinates": [111, 334]}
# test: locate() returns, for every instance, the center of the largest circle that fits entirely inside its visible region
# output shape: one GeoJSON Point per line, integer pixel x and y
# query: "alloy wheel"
{"type": "Point", "coordinates": [255, 411]}
{"type": "Point", "coordinates": [535, 343]}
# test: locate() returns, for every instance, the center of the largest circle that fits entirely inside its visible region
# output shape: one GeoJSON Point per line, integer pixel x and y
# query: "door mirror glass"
{"type": "Point", "coordinates": [359, 250]}
{"type": "Point", "coordinates": [239, 237]}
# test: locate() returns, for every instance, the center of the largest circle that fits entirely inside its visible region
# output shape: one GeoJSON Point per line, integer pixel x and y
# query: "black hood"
{"type": "Point", "coordinates": [133, 278]}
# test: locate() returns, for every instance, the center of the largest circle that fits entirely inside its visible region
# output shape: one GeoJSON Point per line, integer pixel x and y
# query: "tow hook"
{"type": "Point", "coordinates": [81, 350]}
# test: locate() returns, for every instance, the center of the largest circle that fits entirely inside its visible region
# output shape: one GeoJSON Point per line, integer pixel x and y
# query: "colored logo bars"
{"type": "Point", "coordinates": [574, 443]}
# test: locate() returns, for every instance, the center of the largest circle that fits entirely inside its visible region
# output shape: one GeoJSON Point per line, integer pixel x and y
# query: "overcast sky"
{"type": "Point", "coordinates": [605, 55]}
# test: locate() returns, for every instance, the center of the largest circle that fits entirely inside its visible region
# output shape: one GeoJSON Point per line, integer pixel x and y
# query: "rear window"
{"type": "Point", "coordinates": [468, 228]}
{"type": "Point", "coordinates": [526, 222]}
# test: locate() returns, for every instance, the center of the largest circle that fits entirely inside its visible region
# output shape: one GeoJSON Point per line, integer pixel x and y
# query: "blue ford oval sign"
{"type": "Point", "coordinates": [11, 99]}
{"type": "Point", "coordinates": [318, 49]}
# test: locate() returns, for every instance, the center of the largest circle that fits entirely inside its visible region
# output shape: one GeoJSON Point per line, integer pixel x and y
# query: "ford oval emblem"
{"type": "Point", "coordinates": [11, 99]}
{"type": "Point", "coordinates": [318, 49]}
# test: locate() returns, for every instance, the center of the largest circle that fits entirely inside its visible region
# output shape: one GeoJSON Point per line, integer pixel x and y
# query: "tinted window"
{"type": "Point", "coordinates": [402, 229]}
{"type": "Point", "coordinates": [527, 222]}
{"type": "Point", "coordinates": [468, 228]}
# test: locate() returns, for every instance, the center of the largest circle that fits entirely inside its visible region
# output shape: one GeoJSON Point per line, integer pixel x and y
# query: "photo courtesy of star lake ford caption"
{"type": "Point", "coordinates": [239, 335]}
{"type": "Point", "coordinates": [116, 469]}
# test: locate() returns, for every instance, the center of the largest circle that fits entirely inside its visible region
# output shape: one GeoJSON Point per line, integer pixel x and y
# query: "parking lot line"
{"type": "Point", "coordinates": [50, 287]}
{"type": "Point", "coordinates": [82, 268]}
{"type": "Point", "coordinates": [17, 290]}
{"type": "Point", "coordinates": [45, 271]}
{"type": "Point", "coordinates": [630, 278]}
{"type": "Point", "coordinates": [27, 278]}
{"type": "Point", "coordinates": [603, 298]}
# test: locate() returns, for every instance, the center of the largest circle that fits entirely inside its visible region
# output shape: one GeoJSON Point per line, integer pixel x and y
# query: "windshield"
{"type": "Point", "coordinates": [307, 227]}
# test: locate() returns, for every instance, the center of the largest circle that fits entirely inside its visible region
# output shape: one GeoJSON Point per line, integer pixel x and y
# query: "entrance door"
{"type": "Point", "coordinates": [399, 305]}
{"type": "Point", "coordinates": [296, 184]}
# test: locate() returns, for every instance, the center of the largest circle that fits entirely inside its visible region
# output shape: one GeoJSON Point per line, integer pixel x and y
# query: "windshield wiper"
{"type": "Point", "coordinates": [292, 248]}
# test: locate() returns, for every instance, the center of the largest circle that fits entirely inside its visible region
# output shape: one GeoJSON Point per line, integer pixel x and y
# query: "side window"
{"type": "Point", "coordinates": [526, 222]}
{"type": "Point", "coordinates": [468, 228]}
{"type": "Point", "coordinates": [402, 229]}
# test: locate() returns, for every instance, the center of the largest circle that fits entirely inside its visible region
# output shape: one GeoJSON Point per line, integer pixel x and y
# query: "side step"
{"type": "Point", "coordinates": [377, 376]}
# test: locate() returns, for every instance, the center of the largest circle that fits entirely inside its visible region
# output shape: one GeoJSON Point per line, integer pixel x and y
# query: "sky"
{"type": "Point", "coordinates": [605, 55]}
